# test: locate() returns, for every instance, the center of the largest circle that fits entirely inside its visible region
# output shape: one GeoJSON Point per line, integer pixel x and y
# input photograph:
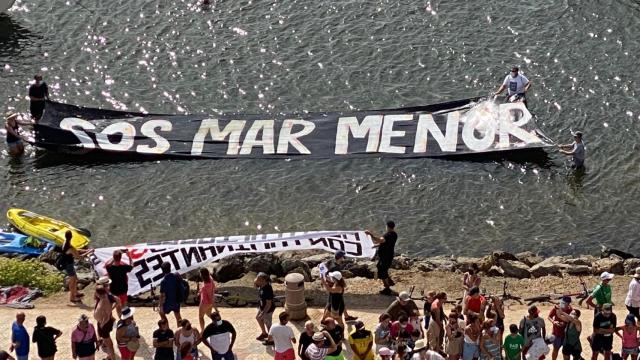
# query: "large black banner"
{"type": "Point", "coordinates": [453, 128]}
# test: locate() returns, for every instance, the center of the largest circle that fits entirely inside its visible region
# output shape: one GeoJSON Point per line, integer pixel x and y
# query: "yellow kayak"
{"type": "Point", "coordinates": [45, 228]}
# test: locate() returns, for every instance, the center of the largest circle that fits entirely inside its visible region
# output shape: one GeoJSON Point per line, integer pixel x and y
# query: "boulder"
{"type": "Point", "coordinates": [607, 252]}
{"type": "Point", "coordinates": [613, 264]}
{"type": "Point", "coordinates": [347, 274]}
{"type": "Point", "coordinates": [586, 260]}
{"type": "Point", "coordinates": [529, 258]}
{"type": "Point", "coordinates": [424, 266]}
{"type": "Point", "coordinates": [304, 271]}
{"type": "Point", "coordinates": [630, 266]}
{"type": "Point", "coordinates": [315, 273]}
{"type": "Point", "coordinates": [442, 263]}
{"type": "Point", "coordinates": [514, 269]}
{"type": "Point", "coordinates": [289, 264]}
{"type": "Point", "coordinates": [494, 271]}
{"type": "Point", "coordinates": [267, 263]}
{"type": "Point", "coordinates": [464, 264]}
{"type": "Point", "coordinates": [315, 260]}
{"type": "Point", "coordinates": [578, 270]}
{"type": "Point", "coordinates": [402, 262]}
{"type": "Point", "coordinates": [502, 255]}
{"type": "Point", "coordinates": [550, 266]}
{"type": "Point", "coordinates": [362, 270]}
{"type": "Point", "coordinates": [227, 269]}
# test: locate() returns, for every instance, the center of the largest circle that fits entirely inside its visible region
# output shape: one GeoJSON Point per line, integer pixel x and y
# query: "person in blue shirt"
{"type": "Point", "coordinates": [20, 338]}
{"type": "Point", "coordinates": [168, 294]}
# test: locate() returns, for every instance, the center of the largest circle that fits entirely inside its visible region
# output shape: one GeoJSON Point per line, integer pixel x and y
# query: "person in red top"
{"type": "Point", "coordinates": [118, 273]}
{"type": "Point", "coordinates": [474, 303]}
{"type": "Point", "coordinates": [559, 326]}
{"type": "Point", "coordinates": [401, 326]}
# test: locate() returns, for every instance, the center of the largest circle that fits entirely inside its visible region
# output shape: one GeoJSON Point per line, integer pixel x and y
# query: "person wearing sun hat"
{"type": "Point", "coordinates": [84, 340]}
{"type": "Point", "coordinates": [385, 353]}
{"type": "Point", "coordinates": [421, 352]}
{"type": "Point", "coordinates": [127, 334]}
{"type": "Point", "coordinates": [317, 350]}
{"type": "Point", "coordinates": [601, 293]}
{"type": "Point", "coordinates": [633, 295]}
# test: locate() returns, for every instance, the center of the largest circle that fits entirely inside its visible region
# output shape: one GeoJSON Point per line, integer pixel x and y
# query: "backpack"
{"type": "Point", "coordinates": [182, 290]}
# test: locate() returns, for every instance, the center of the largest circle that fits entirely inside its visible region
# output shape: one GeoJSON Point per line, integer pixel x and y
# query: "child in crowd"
{"type": "Point", "coordinates": [513, 344]}
{"type": "Point", "coordinates": [629, 337]}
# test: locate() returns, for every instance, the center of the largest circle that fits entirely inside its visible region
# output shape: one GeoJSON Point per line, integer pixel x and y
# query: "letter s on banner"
{"type": "Point", "coordinates": [85, 140]}
{"type": "Point", "coordinates": [148, 130]}
{"type": "Point", "coordinates": [128, 132]}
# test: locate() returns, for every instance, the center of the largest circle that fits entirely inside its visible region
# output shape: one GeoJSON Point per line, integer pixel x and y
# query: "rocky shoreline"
{"type": "Point", "coordinates": [497, 264]}
{"type": "Point", "coordinates": [525, 265]}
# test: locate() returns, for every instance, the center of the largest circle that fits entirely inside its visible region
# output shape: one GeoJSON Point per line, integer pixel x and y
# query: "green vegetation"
{"type": "Point", "coordinates": [31, 273]}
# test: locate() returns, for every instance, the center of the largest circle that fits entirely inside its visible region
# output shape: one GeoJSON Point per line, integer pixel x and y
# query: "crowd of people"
{"type": "Point", "coordinates": [473, 328]}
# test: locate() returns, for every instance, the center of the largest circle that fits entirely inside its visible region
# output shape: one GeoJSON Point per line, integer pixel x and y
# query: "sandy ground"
{"type": "Point", "coordinates": [362, 300]}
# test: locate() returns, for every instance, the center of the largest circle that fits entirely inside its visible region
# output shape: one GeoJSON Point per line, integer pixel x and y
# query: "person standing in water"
{"type": "Point", "coordinates": [14, 139]}
{"type": "Point", "coordinates": [38, 93]}
{"type": "Point", "coordinates": [575, 150]}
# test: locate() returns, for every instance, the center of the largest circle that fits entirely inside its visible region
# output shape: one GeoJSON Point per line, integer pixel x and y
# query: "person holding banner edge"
{"type": "Point", "coordinates": [386, 250]}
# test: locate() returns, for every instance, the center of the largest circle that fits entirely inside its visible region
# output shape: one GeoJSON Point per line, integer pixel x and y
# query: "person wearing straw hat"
{"type": "Point", "coordinates": [127, 334]}
{"type": "Point", "coordinates": [421, 352]}
{"type": "Point", "coordinates": [84, 340]}
{"type": "Point", "coordinates": [14, 139]}
{"type": "Point", "coordinates": [633, 296]}
{"type": "Point", "coordinates": [576, 150]}
{"type": "Point", "coordinates": [601, 293]}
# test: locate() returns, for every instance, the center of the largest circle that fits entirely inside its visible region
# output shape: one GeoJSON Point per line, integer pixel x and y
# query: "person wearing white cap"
{"type": "Point", "coordinates": [385, 353]}
{"type": "Point", "coordinates": [402, 304]}
{"type": "Point", "coordinates": [127, 334]}
{"type": "Point", "coordinates": [601, 293]}
{"type": "Point", "coordinates": [421, 352]}
{"type": "Point", "coordinates": [335, 285]}
{"type": "Point", "coordinates": [633, 296]}
{"type": "Point", "coordinates": [317, 350]}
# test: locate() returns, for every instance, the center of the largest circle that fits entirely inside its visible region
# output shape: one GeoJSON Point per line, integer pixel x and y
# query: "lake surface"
{"type": "Point", "coordinates": [288, 56]}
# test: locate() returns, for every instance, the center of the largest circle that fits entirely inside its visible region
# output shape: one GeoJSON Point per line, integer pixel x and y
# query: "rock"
{"type": "Point", "coordinates": [267, 263]}
{"type": "Point", "coordinates": [494, 271]}
{"type": "Point", "coordinates": [578, 270]}
{"type": "Point", "coordinates": [401, 262]}
{"type": "Point", "coordinates": [315, 260]}
{"type": "Point", "coordinates": [315, 273]}
{"type": "Point", "coordinates": [289, 264]}
{"type": "Point", "coordinates": [464, 264]}
{"type": "Point", "coordinates": [529, 258]}
{"type": "Point", "coordinates": [362, 270]}
{"type": "Point", "coordinates": [347, 274]}
{"type": "Point", "coordinates": [514, 269]}
{"type": "Point", "coordinates": [630, 266]}
{"type": "Point", "coordinates": [614, 265]}
{"type": "Point", "coordinates": [550, 266]}
{"type": "Point", "coordinates": [607, 252]}
{"type": "Point", "coordinates": [424, 266]}
{"type": "Point", "coordinates": [227, 269]}
{"type": "Point", "coordinates": [502, 255]}
{"type": "Point", "coordinates": [298, 255]}
{"type": "Point", "coordinates": [586, 260]}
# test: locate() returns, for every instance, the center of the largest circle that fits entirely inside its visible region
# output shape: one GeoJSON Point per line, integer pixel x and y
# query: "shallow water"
{"type": "Point", "coordinates": [270, 56]}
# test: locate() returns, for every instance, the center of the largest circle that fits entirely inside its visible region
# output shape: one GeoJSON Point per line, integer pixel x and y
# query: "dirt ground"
{"type": "Point", "coordinates": [362, 300]}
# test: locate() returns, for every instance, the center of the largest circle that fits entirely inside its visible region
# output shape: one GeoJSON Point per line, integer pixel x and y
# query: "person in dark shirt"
{"type": "Point", "coordinates": [306, 339]}
{"type": "Point", "coordinates": [5, 356]}
{"type": "Point", "coordinates": [45, 337]}
{"type": "Point", "coordinates": [266, 305]}
{"type": "Point", "coordinates": [219, 337]}
{"type": "Point", "coordinates": [38, 93]}
{"type": "Point", "coordinates": [118, 271]}
{"type": "Point", "coordinates": [604, 325]}
{"type": "Point", "coordinates": [14, 138]}
{"type": "Point", "coordinates": [386, 250]}
{"type": "Point", "coordinates": [163, 341]}
{"type": "Point", "coordinates": [169, 294]}
{"type": "Point", "coordinates": [337, 334]}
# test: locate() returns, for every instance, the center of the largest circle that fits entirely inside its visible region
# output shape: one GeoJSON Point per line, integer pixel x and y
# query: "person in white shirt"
{"type": "Point", "coordinates": [515, 84]}
{"type": "Point", "coordinates": [575, 150]}
{"type": "Point", "coordinates": [283, 338]}
{"type": "Point", "coordinates": [633, 296]}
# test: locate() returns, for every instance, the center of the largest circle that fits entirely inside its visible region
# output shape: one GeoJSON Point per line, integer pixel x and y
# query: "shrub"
{"type": "Point", "coordinates": [31, 273]}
